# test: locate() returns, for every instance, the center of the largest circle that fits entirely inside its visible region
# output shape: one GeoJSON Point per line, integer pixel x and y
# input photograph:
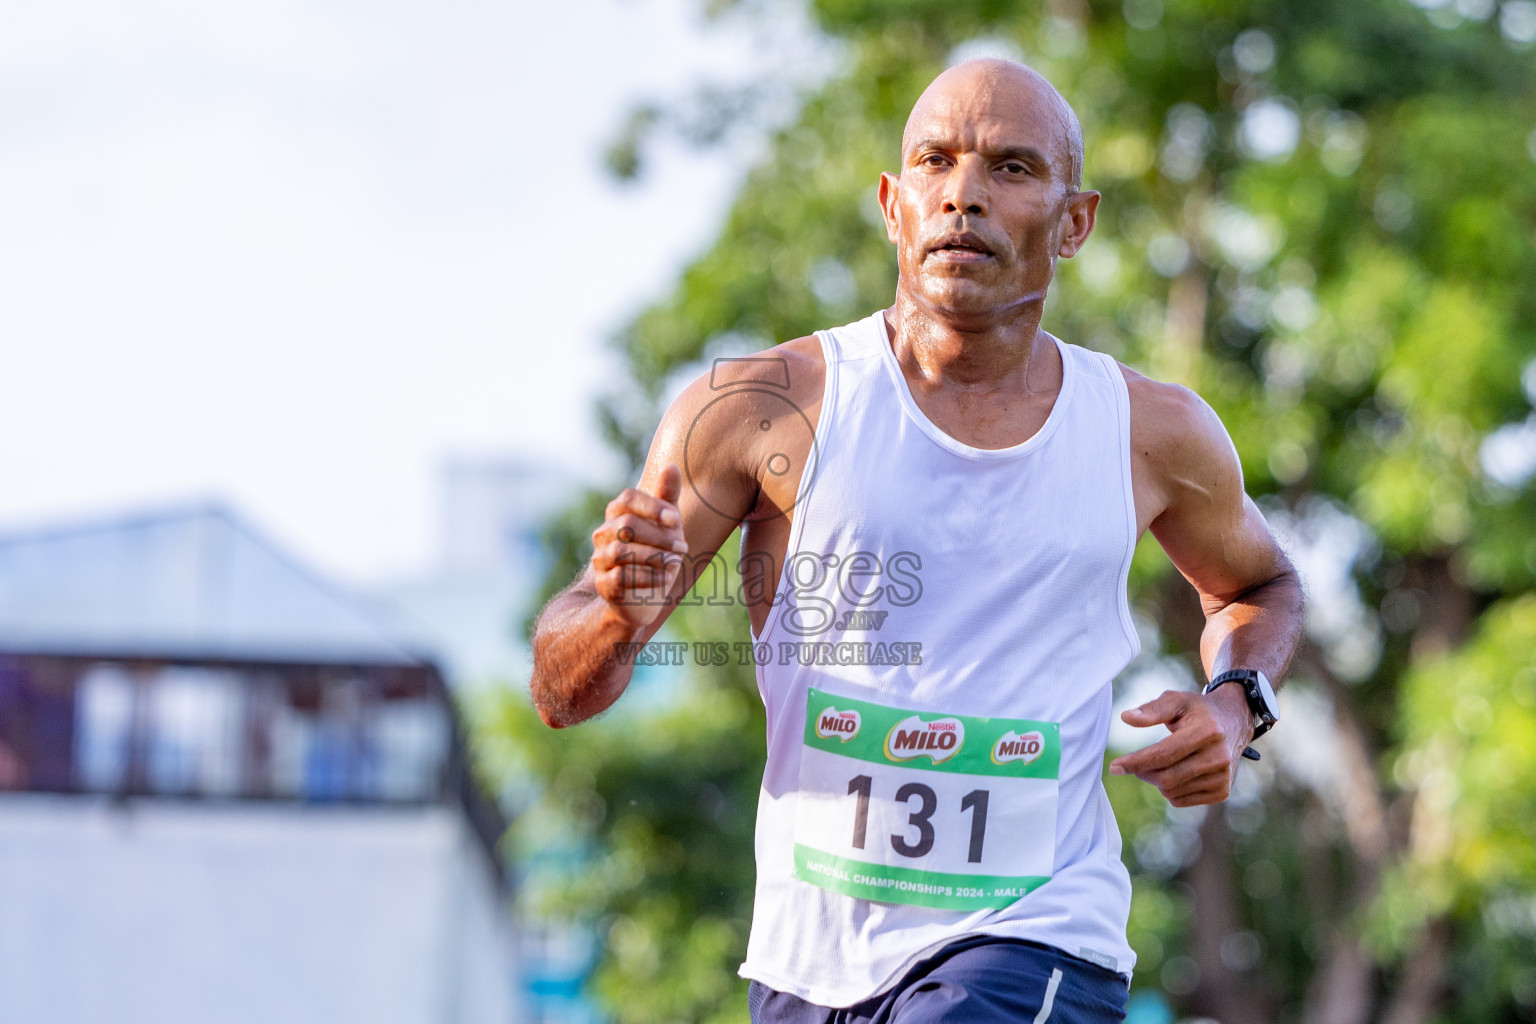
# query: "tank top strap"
{"type": "Point", "coordinates": [856, 341]}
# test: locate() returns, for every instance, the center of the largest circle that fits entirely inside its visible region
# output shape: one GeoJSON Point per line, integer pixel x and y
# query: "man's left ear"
{"type": "Point", "coordinates": [1078, 220]}
{"type": "Point", "coordinates": [890, 186]}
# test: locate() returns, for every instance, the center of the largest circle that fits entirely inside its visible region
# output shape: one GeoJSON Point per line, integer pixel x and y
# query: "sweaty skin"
{"type": "Point", "coordinates": [986, 200]}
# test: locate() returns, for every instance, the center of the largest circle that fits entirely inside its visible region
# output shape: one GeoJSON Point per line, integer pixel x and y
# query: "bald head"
{"type": "Point", "coordinates": [1004, 86]}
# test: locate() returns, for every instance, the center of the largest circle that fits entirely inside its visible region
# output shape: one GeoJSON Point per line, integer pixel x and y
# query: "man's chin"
{"type": "Point", "coordinates": [963, 298]}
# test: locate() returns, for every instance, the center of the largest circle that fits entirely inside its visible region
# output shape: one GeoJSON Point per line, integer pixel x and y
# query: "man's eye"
{"type": "Point", "coordinates": [1014, 168]}
{"type": "Point", "coordinates": [933, 159]}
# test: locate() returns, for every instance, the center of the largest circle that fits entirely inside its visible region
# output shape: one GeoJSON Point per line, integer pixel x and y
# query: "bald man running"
{"type": "Point", "coordinates": [938, 507]}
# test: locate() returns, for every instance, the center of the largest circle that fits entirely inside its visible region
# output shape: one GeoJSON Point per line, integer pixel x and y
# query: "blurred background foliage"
{"type": "Point", "coordinates": [1322, 217]}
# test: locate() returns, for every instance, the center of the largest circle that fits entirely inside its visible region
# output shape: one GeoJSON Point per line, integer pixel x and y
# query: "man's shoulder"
{"type": "Point", "coordinates": [1161, 401]}
{"type": "Point", "coordinates": [1170, 422]}
{"type": "Point", "coordinates": [730, 399]}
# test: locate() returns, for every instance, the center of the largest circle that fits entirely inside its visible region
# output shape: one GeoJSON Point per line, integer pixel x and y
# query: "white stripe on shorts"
{"type": "Point", "coordinates": [1050, 997]}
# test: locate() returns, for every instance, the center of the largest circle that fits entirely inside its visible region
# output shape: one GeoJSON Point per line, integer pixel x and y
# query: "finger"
{"type": "Point", "coordinates": [669, 486]}
{"type": "Point", "coordinates": [1203, 769]}
{"type": "Point", "coordinates": [1159, 756]}
{"type": "Point", "coordinates": [634, 501]}
{"type": "Point", "coordinates": [1166, 708]}
{"type": "Point", "coordinates": [1162, 754]}
{"type": "Point", "coordinates": [1202, 783]}
{"type": "Point", "coordinates": [634, 573]}
{"type": "Point", "coordinates": [618, 554]}
{"type": "Point", "coordinates": [629, 584]}
{"type": "Point", "coordinates": [632, 529]}
{"type": "Point", "coordinates": [634, 583]}
{"type": "Point", "coordinates": [1196, 796]}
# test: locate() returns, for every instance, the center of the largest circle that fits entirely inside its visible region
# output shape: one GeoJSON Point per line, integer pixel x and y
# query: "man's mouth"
{"type": "Point", "coordinates": [961, 248]}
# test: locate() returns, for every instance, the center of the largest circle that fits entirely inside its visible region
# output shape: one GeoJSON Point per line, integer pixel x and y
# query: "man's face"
{"type": "Point", "coordinates": [984, 203]}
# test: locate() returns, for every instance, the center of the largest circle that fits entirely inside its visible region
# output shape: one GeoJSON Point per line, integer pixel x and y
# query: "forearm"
{"type": "Point", "coordinates": [1259, 629]}
{"type": "Point", "coordinates": [577, 670]}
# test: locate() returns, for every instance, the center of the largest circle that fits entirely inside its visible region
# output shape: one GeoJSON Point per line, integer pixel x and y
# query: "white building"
{"type": "Point", "coordinates": [230, 793]}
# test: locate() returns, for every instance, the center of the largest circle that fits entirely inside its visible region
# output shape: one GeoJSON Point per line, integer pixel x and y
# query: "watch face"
{"type": "Point", "coordinates": [1267, 695]}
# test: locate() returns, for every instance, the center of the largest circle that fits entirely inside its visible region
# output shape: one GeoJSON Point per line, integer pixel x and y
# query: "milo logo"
{"type": "Point", "coordinates": [1013, 747]}
{"type": "Point", "coordinates": [938, 740]}
{"type": "Point", "coordinates": [835, 724]}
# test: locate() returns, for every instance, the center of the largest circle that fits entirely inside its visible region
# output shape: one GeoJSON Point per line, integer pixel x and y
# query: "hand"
{"type": "Point", "coordinates": [637, 551]}
{"type": "Point", "coordinates": [1197, 764]}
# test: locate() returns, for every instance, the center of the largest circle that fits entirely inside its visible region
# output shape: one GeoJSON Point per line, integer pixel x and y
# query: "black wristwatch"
{"type": "Point", "coordinates": [1261, 701]}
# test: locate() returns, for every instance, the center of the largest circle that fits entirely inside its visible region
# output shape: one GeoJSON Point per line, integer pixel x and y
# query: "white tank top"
{"type": "Point", "coordinates": [936, 671]}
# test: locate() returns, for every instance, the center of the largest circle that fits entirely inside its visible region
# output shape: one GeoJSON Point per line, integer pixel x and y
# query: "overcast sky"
{"type": "Point", "coordinates": [294, 254]}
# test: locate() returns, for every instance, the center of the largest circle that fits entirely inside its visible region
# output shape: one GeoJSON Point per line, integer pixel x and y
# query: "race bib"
{"type": "Point", "coordinates": [935, 810]}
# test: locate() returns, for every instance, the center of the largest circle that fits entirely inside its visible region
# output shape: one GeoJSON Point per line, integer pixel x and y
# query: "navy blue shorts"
{"type": "Point", "coordinates": [978, 980]}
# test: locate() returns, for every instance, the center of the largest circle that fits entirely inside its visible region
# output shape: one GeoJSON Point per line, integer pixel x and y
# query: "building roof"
{"type": "Point", "coordinates": [190, 583]}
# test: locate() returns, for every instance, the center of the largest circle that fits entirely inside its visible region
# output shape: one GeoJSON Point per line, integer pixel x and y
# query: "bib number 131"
{"type": "Point", "coordinates": [919, 818]}
{"type": "Point", "coordinates": [946, 811]}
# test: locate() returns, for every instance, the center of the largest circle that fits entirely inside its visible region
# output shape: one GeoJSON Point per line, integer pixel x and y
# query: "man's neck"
{"type": "Point", "coordinates": [984, 353]}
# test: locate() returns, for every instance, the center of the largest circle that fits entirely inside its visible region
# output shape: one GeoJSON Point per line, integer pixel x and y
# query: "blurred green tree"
{"type": "Point", "coordinates": [1322, 217]}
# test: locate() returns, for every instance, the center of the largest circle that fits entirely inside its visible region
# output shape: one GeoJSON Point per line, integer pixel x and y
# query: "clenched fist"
{"type": "Point", "coordinates": [638, 551]}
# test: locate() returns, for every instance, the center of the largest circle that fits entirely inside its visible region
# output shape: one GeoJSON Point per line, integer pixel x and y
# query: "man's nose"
{"type": "Point", "coordinates": [965, 190]}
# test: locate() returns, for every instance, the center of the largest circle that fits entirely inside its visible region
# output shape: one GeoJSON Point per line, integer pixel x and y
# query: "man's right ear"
{"type": "Point", "coordinates": [890, 188]}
